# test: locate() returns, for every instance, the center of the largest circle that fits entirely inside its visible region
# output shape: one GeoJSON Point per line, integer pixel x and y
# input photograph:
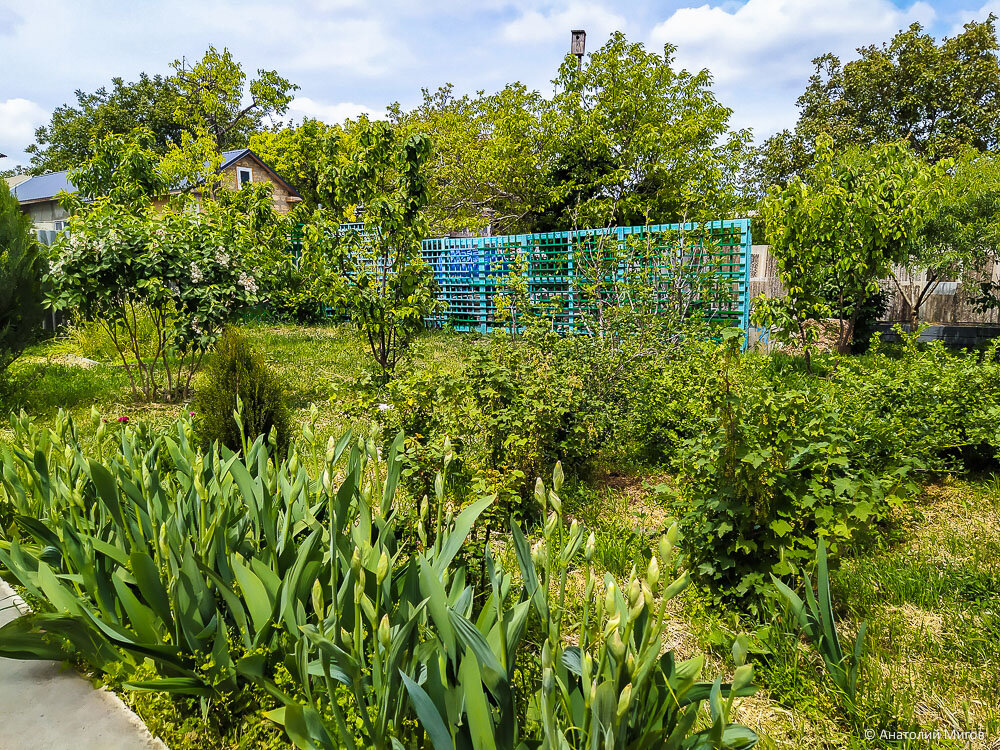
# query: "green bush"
{"type": "Point", "coordinates": [923, 403]}
{"type": "Point", "coordinates": [516, 408]}
{"type": "Point", "coordinates": [786, 457]}
{"type": "Point", "coordinates": [768, 476]}
{"type": "Point", "coordinates": [237, 375]}
{"type": "Point", "coordinates": [664, 404]}
{"type": "Point", "coordinates": [20, 280]}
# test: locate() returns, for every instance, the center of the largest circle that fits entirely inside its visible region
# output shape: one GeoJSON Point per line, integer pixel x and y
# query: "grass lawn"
{"type": "Point", "coordinates": [320, 366]}
{"type": "Point", "coordinates": [928, 590]}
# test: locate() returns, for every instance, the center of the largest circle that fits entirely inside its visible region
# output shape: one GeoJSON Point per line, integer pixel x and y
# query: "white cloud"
{"type": "Point", "coordinates": [760, 54]}
{"type": "Point", "coordinates": [303, 106]}
{"type": "Point", "coordinates": [964, 16]}
{"type": "Point", "coordinates": [314, 36]}
{"type": "Point", "coordinates": [533, 26]}
{"type": "Point", "coordinates": [18, 120]}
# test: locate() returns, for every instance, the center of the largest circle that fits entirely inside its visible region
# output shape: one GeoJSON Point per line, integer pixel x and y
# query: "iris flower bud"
{"type": "Point", "coordinates": [623, 701]}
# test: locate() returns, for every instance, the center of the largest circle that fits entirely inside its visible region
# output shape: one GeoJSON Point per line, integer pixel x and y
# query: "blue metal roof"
{"type": "Point", "coordinates": [48, 186]}
{"type": "Point", "coordinates": [43, 187]}
{"type": "Point", "coordinates": [228, 157]}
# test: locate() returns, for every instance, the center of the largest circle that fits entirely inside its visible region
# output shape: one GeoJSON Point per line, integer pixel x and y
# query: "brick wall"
{"type": "Point", "coordinates": [280, 195]}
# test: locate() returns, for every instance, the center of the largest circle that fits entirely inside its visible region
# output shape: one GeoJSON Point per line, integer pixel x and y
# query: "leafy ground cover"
{"type": "Point", "coordinates": [923, 581]}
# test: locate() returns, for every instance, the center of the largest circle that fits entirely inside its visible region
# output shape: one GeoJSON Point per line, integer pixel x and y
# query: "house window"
{"type": "Point", "coordinates": [59, 225]}
{"type": "Point", "coordinates": [244, 176]}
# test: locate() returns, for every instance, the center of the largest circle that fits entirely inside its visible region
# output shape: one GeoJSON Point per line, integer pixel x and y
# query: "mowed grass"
{"type": "Point", "coordinates": [929, 590]}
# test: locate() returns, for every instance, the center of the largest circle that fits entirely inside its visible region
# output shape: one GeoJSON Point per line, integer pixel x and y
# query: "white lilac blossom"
{"type": "Point", "coordinates": [221, 257]}
{"type": "Point", "coordinates": [248, 283]}
{"type": "Point", "coordinates": [196, 274]}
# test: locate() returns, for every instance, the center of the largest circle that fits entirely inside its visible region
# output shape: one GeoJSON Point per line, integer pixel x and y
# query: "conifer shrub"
{"type": "Point", "coordinates": [20, 280]}
{"type": "Point", "coordinates": [238, 371]}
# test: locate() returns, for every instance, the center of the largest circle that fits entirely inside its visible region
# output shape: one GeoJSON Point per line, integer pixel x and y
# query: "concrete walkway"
{"type": "Point", "coordinates": [47, 706]}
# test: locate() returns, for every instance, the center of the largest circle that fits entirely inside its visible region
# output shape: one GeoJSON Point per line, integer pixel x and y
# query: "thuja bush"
{"type": "Point", "coordinates": [239, 397]}
{"type": "Point", "coordinates": [20, 281]}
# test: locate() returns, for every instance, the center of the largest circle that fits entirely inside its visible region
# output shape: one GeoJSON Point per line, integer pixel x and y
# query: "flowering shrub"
{"type": "Point", "coordinates": [181, 267]}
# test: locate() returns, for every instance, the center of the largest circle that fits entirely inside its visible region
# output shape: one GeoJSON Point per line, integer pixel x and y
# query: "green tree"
{"type": "Point", "coordinates": [375, 275]}
{"type": "Point", "coordinates": [215, 97]}
{"type": "Point", "coordinates": [959, 237]}
{"type": "Point", "coordinates": [491, 161]}
{"type": "Point", "coordinates": [637, 140]}
{"type": "Point", "coordinates": [192, 166]}
{"type": "Point", "coordinates": [147, 103]}
{"type": "Point", "coordinates": [292, 151]}
{"type": "Point", "coordinates": [211, 96]}
{"type": "Point", "coordinates": [938, 97]}
{"type": "Point", "coordinates": [839, 230]}
{"type": "Point", "coordinates": [122, 169]}
{"type": "Point", "coordinates": [20, 280]}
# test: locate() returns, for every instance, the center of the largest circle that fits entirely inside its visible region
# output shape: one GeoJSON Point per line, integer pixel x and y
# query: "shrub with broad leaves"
{"type": "Point", "coordinates": [183, 268]}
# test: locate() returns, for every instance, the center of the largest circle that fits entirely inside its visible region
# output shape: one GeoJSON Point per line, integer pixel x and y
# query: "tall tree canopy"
{"type": "Point", "coordinates": [938, 97]}
{"type": "Point", "coordinates": [211, 97]}
{"type": "Point", "coordinates": [147, 103]}
{"type": "Point", "coordinates": [294, 153]}
{"type": "Point", "coordinates": [625, 138]}
{"type": "Point", "coordinates": [634, 138]}
{"type": "Point", "coordinates": [491, 158]}
{"type": "Point", "coordinates": [216, 98]}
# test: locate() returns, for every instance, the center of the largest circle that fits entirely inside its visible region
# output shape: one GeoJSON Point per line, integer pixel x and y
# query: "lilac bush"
{"type": "Point", "coordinates": [181, 269]}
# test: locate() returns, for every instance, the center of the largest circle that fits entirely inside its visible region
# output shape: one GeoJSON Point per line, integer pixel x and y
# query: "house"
{"type": "Point", "coordinates": [39, 199]}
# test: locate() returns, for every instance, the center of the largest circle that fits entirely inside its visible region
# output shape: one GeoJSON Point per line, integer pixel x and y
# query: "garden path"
{"type": "Point", "coordinates": [45, 706]}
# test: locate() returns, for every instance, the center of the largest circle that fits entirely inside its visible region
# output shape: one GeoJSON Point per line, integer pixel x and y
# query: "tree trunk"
{"type": "Point", "coordinates": [846, 336]}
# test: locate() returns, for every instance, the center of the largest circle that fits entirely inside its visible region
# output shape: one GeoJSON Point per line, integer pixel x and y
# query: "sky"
{"type": "Point", "coordinates": [351, 57]}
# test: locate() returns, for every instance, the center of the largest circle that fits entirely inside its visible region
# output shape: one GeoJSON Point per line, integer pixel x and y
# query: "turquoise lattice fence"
{"type": "Point", "coordinates": [569, 274]}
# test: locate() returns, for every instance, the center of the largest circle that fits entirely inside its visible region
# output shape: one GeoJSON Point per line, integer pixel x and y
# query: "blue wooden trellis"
{"type": "Point", "coordinates": [471, 271]}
